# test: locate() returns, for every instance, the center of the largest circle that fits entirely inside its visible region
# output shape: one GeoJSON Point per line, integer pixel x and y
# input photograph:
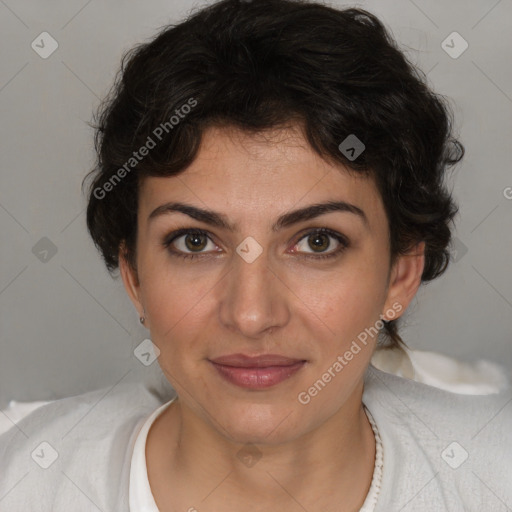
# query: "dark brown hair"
{"type": "Point", "coordinates": [263, 64]}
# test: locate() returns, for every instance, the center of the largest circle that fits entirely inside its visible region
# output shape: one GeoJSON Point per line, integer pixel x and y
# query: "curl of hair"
{"type": "Point", "coordinates": [265, 64]}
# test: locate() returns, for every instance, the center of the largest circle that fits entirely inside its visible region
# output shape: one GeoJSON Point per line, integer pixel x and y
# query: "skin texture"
{"type": "Point", "coordinates": [318, 455]}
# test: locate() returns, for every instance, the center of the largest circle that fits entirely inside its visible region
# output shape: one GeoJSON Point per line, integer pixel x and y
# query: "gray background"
{"type": "Point", "coordinates": [67, 327]}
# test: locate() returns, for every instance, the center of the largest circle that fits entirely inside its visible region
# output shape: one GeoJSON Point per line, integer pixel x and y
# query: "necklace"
{"type": "Point", "coordinates": [371, 498]}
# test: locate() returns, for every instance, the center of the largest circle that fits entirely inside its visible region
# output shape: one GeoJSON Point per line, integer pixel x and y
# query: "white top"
{"type": "Point", "coordinates": [141, 498]}
{"type": "Point", "coordinates": [442, 451]}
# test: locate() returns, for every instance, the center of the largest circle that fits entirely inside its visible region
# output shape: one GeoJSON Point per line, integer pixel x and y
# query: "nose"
{"type": "Point", "coordinates": [254, 299]}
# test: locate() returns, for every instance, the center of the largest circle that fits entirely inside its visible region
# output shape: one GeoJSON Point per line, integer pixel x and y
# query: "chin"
{"type": "Point", "coordinates": [258, 424]}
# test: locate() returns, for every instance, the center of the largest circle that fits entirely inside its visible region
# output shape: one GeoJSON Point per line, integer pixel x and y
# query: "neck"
{"type": "Point", "coordinates": [337, 456]}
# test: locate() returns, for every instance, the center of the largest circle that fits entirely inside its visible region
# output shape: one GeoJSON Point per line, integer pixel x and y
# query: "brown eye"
{"type": "Point", "coordinates": [319, 241]}
{"type": "Point", "coordinates": [195, 241]}
{"type": "Point", "coordinates": [187, 243]}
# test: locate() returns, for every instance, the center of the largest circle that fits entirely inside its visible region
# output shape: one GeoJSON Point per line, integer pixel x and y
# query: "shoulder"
{"type": "Point", "coordinates": [453, 448]}
{"type": "Point", "coordinates": [73, 450]}
{"type": "Point", "coordinates": [450, 409]}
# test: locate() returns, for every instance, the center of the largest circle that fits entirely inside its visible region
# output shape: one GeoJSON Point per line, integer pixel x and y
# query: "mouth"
{"type": "Point", "coordinates": [256, 372]}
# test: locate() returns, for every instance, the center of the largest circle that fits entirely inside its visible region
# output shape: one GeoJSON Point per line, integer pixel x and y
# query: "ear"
{"type": "Point", "coordinates": [405, 279]}
{"type": "Point", "coordinates": [130, 280]}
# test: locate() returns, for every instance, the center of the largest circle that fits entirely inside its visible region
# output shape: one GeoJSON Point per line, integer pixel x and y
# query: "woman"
{"type": "Point", "coordinates": [270, 186]}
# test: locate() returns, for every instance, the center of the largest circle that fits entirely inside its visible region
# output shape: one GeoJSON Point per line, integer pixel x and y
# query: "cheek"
{"type": "Point", "coordinates": [350, 299]}
{"type": "Point", "coordinates": [172, 293]}
{"type": "Point", "coordinates": [350, 307]}
{"type": "Point", "coordinates": [180, 315]}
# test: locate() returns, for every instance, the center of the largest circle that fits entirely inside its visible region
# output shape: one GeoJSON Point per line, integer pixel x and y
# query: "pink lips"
{"type": "Point", "coordinates": [257, 372]}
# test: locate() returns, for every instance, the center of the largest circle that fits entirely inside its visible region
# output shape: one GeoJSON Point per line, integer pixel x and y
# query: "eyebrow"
{"type": "Point", "coordinates": [288, 219]}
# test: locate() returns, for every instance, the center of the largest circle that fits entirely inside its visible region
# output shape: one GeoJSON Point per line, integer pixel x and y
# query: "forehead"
{"type": "Point", "coordinates": [260, 174]}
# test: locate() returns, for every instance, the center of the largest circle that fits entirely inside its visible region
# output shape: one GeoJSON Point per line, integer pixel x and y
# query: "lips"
{"type": "Point", "coordinates": [256, 372]}
{"type": "Point", "coordinates": [244, 361]}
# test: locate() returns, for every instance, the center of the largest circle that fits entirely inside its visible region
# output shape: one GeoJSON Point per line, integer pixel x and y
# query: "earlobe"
{"type": "Point", "coordinates": [405, 278]}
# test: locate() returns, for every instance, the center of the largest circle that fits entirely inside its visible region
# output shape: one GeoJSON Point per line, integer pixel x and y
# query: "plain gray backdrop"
{"type": "Point", "coordinates": [67, 327]}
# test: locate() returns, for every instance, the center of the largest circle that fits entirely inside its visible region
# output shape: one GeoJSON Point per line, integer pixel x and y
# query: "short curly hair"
{"type": "Point", "coordinates": [260, 65]}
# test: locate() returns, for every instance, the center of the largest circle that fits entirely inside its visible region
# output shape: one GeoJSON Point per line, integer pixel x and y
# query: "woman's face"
{"type": "Point", "coordinates": [260, 281]}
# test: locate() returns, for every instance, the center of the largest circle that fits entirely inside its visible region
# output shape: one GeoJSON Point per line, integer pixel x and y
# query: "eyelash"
{"type": "Point", "coordinates": [344, 243]}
